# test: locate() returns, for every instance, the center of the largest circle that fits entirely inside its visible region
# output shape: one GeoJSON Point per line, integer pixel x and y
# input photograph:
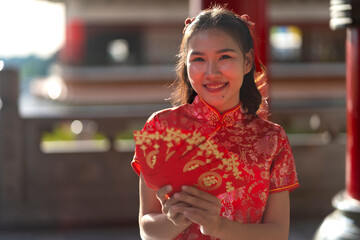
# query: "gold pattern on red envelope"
{"type": "Point", "coordinates": [180, 157]}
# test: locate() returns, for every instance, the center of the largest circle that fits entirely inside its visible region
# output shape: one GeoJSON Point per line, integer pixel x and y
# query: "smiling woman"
{"type": "Point", "coordinates": [31, 27]}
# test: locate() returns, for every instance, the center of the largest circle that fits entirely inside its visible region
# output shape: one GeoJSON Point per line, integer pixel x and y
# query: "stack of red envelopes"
{"type": "Point", "coordinates": [179, 157]}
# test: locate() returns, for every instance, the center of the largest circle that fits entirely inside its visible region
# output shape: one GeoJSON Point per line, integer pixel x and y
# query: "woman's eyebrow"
{"type": "Point", "coordinates": [219, 51]}
{"type": "Point", "coordinates": [226, 50]}
{"type": "Point", "coordinates": [196, 53]}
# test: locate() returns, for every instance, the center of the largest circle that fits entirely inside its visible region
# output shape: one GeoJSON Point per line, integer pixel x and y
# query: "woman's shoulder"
{"type": "Point", "coordinates": [168, 112]}
{"type": "Point", "coordinates": [268, 126]}
{"type": "Point", "coordinates": [163, 116]}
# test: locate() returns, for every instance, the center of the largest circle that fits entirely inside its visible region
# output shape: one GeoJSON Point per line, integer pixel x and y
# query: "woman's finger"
{"type": "Point", "coordinates": [161, 194]}
{"type": "Point", "coordinates": [175, 214]}
{"type": "Point", "coordinates": [201, 194]}
{"type": "Point", "coordinates": [208, 222]}
{"type": "Point", "coordinates": [196, 198]}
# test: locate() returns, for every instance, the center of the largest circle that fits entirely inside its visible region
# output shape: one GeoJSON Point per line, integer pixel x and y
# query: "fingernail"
{"type": "Point", "coordinates": [176, 195]}
{"type": "Point", "coordinates": [184, 187]}
{"type": "Point", "coordinates": [169, 188]}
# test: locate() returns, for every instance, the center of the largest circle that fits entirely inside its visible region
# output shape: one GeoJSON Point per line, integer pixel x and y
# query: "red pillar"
{"type": "Point", "coordinates": [74, 48]}
{"type": "Point", "coordinates": [344, 222]}
{"type": "Point", "coordinates": [353, 112]}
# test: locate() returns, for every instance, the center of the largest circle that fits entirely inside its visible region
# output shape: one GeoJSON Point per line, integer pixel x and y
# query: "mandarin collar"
{"type": "Point", "coordinates": [205, 111]}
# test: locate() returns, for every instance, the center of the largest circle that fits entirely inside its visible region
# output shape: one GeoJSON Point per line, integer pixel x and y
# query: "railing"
{"type": "Point", "coordinates": [39, 187]}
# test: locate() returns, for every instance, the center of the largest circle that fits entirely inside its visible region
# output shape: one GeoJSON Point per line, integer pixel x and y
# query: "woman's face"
{"type": "Point", "coordinates": [216, 67]}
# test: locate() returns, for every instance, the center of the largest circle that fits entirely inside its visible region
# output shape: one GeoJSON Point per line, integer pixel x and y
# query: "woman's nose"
{"type": "Point", "coordinates": [212, 70]}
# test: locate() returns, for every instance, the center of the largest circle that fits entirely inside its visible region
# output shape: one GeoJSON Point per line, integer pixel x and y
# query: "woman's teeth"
{"type": "Point", "coordinates": [215, 86]}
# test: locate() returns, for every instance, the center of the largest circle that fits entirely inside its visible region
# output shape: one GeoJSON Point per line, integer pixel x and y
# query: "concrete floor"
{"type": "Point", "coordinates": [300, 230]}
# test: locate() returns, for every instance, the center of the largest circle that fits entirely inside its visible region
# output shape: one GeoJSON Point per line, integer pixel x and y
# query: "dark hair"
{"type": "Point", "coordinates": [220, 18]}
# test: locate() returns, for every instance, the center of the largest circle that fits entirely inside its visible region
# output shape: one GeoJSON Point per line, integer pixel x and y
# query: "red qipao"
{"type": "Point", "coordinates": [261, 145]}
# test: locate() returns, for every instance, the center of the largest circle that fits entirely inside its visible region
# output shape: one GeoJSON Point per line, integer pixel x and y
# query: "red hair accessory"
{"type": "Point", "coordinates": [246, 19]}
{"type": "Point", "coordinates": [188, 21]}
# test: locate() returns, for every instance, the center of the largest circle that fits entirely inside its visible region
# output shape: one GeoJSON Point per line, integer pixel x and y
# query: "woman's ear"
{"type": "Point", "coordinates": [248, 61]}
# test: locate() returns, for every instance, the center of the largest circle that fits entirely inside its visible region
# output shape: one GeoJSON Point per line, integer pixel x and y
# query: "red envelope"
{"type": "Point", "coordinates": [204, 153]}
{"type": "Point", "coordinates": [216, 177]}
{"type": "Point", "coordinates": [160, 145]}
{"type": "Point", "coordinates": [188, 158]}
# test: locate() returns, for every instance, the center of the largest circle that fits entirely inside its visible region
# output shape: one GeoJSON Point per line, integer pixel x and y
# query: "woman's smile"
{"type": "Point", "coordinates": [215, 87]}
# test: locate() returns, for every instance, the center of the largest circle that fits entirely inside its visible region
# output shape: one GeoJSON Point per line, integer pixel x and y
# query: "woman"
{"type": "Point", "coordinates": [218, 97]}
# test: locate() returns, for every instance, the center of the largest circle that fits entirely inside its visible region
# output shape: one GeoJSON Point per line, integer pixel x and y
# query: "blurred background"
{"type": "Point", "coordinates": [81, 75]}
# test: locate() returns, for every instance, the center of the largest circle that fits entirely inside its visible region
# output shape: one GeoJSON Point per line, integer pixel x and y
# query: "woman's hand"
{"type": "Point", "coordinates": [201, 208]}
{"type": "Point", "coordinates": [171, 207]}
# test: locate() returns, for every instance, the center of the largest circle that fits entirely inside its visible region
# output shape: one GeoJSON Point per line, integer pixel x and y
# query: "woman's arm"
{"type": "Point", "coordinates": [205, 211]}
{"type": "Point", "coordinates": [157, 218]}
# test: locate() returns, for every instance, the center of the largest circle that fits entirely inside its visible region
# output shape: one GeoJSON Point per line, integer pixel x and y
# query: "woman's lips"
{"type": "Point", "coordinates": [215, 87]}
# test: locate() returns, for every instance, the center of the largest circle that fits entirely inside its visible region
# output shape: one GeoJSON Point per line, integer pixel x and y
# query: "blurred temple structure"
{"type": "Point", "coordinates": [116, 68]}
{"type": "Point", "coordinates": [117, 52]}
{"type": "Point", "coordinates": [344, 222]}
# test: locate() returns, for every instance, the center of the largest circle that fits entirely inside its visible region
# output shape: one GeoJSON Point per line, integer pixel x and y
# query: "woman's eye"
{"type": "Point", "coordinates": [225, 57]}
{"type": "Point", "coordinates": [198, 59]}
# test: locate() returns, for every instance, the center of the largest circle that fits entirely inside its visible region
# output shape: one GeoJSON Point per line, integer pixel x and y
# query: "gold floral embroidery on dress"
{"type": "Point", "coordinates": [228, 120]}
{"type": "Point", "coordinates": [252, 186]}
{"type": "Point", "coordinates": [213, 119]}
